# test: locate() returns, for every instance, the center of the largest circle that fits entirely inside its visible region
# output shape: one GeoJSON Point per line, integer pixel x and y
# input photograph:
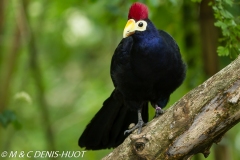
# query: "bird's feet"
{"type": "Point", "coordinates": [138, 126]}
{"type": "Point", "coordinates": [158, 111]}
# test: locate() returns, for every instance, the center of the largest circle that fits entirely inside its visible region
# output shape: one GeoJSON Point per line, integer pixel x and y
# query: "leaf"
{"type": "Point", "coordinates": [7, 117]}
{"type": "Point", "coordinates": [226, 14]}
{"type": "Point", "coordinates": [229, 2]}
{"type": "Point", "coordinates": [223, 51]}
{"type": "Point", "coordinates": [220, 24]}
{"type": "Point", "coordinates": [229, 24]}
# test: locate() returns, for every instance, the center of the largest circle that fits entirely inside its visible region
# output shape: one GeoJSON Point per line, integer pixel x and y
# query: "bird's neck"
{"type": "Point", "coordinates": [148, 44]}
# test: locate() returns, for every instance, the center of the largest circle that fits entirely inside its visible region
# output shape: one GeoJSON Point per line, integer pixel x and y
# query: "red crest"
{"type": "Point", "coordinates": [138, 11]}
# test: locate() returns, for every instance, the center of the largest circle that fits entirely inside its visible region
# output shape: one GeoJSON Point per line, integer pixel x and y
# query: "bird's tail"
{"type": "Point", "coordinates": [106, 129]}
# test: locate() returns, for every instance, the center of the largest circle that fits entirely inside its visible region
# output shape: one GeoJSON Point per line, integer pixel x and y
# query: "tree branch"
{"type": "Point", "coordinates": [192, 124]}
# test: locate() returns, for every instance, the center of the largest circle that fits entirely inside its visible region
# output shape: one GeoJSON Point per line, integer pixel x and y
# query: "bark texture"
{"type": "Point", "coordinates": [192, 124]}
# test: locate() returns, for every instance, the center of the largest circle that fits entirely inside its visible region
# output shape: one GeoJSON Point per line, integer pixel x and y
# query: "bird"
{"type": "Point", "coordinates": [146, 67]}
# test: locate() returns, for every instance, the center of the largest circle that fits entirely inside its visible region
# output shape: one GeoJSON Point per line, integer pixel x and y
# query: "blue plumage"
{"type": "Point", "coordinates": [146, 67]}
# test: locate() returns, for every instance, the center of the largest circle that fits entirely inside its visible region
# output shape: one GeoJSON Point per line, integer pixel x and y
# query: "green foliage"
{"type": "Point", "coordinates": [196, 1]}
{"type": "Point", "coordinates": [7, 117]}
{"type": "Point", "coordinates": [74, 42]}
{"type": "Point", "coordinates": [230, 27]}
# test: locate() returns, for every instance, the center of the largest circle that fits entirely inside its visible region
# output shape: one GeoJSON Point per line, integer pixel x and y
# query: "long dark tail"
{"type": "Point", "coordinates": [107, 127]}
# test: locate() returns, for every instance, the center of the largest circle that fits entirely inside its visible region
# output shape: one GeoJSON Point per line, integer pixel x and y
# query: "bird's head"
{"type": "Point", "coordinates": [138, 21]}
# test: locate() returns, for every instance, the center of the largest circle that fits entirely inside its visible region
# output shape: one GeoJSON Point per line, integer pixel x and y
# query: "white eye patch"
{"type": "Point", "coordinates": [141, 25]}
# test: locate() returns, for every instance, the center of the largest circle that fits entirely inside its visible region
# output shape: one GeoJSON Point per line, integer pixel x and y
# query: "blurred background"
{"type": "Point", "coordinates": [55, 62]}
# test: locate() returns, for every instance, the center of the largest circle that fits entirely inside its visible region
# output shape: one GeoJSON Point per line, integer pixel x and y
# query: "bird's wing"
{"type": "Point", "coordinates": [169, 41]}
{"type": "Point", "coordinates": [121, 57]}
{"type": "Point", "coordinates": [177, 65]}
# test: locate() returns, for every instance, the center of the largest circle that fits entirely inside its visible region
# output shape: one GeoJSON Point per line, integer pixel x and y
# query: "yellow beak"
{"type": "Point", "coordinates": [129, 28]}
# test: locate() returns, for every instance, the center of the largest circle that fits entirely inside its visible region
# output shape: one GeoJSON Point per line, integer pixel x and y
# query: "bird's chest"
{"type": "Point", "coordinates": [138, 77]}
{"type": "Point", "coordinates": [146, 62]}
{"type": "Point", "coordinates": [142, 70]}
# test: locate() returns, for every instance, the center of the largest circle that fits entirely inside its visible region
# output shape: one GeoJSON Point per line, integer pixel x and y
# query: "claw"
{"type": "Point", "coordinates": [158, 111]}
{"type": "Point", "coordinates": [138, 126]}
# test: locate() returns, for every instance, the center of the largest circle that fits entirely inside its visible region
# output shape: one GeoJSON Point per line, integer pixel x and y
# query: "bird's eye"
{"type": "Point", "coordinates": [140, 24]}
